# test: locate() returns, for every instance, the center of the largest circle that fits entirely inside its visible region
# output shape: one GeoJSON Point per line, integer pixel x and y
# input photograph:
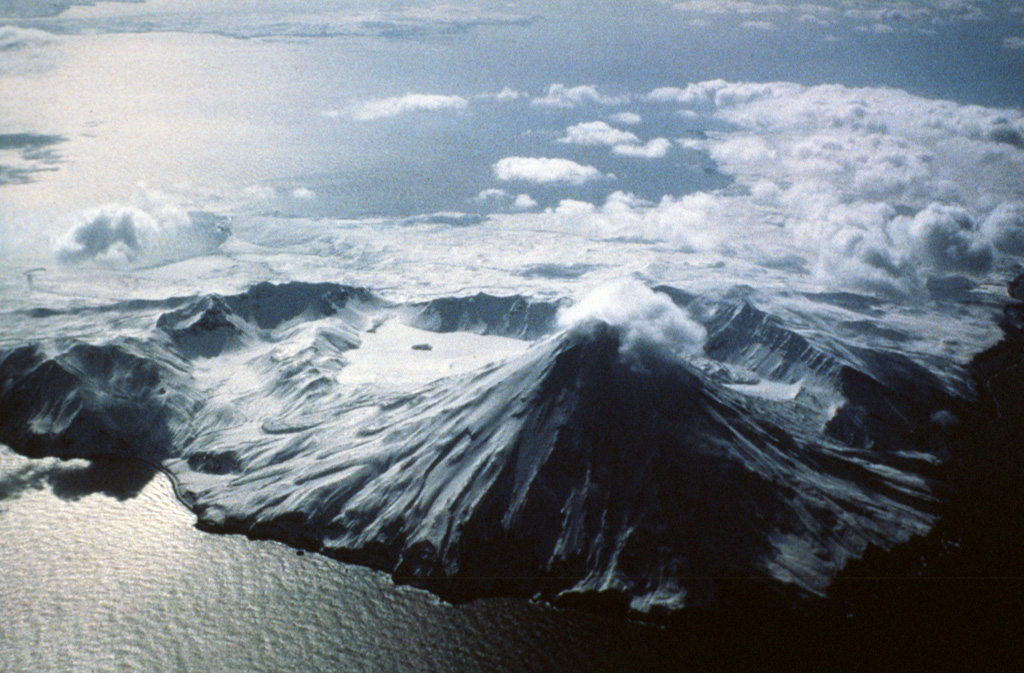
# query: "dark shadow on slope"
{"type": "Point", "coordinates": [131, 305]}
{"type": "Point", "coordinates": [952, 600]}
{"type": "Point", "coordinates": [270, 305]}
{"type": "Point", "coordinates": [210, 325]}
{"type": "Point", "coordinates": [871, 330]}
{"type": "Point", "coordinates": [116, 400]}
{"type": "Point", "coordinates": [557, 271]}
{"type": "Point", "coordinates": [513, 316]}
{"type": "Point", "coordinates": [950, 289]}
{"type": "Point", "coordinates": [643, 445]}
{"type": "Point", "coordinates": [890, 399]}
{"type": "Point", "coordinates": [858, 303]}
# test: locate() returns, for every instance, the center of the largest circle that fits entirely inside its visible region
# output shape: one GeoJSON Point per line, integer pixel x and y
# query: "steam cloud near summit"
{"type": "Point", "coordinates": [647, 319]}
{"type": "Point", "coordinates": [152, 232]}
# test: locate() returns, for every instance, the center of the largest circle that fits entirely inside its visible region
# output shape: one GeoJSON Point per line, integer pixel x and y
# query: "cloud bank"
{"type": "Point", "coordinates": [921, 16]}
{"type": "Point", "coordinates": [874, 190]}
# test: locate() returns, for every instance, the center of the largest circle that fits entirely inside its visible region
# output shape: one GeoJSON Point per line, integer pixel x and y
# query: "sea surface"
{"type": "Point", "coordinates": [104, 570]}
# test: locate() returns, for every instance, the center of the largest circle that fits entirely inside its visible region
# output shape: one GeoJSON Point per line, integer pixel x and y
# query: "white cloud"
{"type": "Point", "coordinates": [505, 95]}
{"type": "Point", "coordinates": [151, 231]}
{"type": "Point", "coordinates": [892, 255]}
{"type": "Point", "coordinates": [303, 194]}
{"type": "Point", "coordinates": [693, 222]}
{"type": "Point", "coordinates": [260, 192]}
{"type": "Point", "coordinates": [692, 144]}
{"type": "Point", "coordinates": [1004, 228]}
{"type": "Point", "coordinates": [597, 133]}
{"type": "Point", "coordinates": [645, 319]}
{"type": "Point", "coordinates": [499, 198]}
{"type": "Point", "coordinates": [545, 170]}
{"type": "Point", "coordinates": [875, 189]}
{"type": "Point", "coordinates": [384, 108]}
{"type": "Point", "coordinates": [942, 238]}
{"type": "Point", "coordinates": [491, 195]}
{"type": "Point", "coordinates": [623, 143]}
{"type": "Point", "coordinates": [689, 95]}
{"type": "Point", "coordinates": [524, 202]}
{"type": "Point", "coordinates": [877, 28]}
{"type": "Point", "coordinates": [666, 94]}
{"type": "Point", "coordinates": [743, 150]}
{"type": "Point", "coordinates": [627, 118]}
{"type": "Point", "coordinates": [561, 96]}
{"type": "Point", "coordinates": [759, 25]}
{"type": "Point", "coordinates": [654, 149]}
{"type": "Point", "coordinates": [727, 7]}
{"type": "Point", "coordinates": [1014, 43]}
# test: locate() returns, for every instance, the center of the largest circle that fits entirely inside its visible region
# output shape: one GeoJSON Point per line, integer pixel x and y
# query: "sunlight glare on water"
{"type": "Point", "coordinates": [103, 570]}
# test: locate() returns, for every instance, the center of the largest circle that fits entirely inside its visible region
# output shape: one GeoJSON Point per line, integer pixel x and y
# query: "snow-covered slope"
{"type": "Point", "coordinates": [591, 455]}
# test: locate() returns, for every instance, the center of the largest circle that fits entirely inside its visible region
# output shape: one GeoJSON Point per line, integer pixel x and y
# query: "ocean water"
{"type": "Point", "coordinates": [103, 570]}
